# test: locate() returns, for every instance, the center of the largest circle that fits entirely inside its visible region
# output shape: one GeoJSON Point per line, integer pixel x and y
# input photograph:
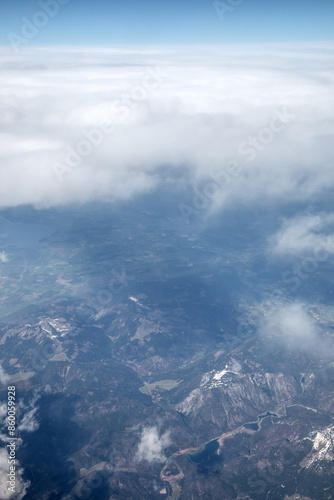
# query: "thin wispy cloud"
{"type": "Point", "coordinates": [4, 378]}
{"type": "Point", "coordinates": [28, 420]}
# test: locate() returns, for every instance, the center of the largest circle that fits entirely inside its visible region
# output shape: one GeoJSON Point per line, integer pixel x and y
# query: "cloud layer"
{"type": "Point", "coordinates": [85, 124]}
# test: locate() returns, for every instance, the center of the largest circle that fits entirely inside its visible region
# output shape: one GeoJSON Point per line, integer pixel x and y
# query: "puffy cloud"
{"type": "Point", "coordinates": [3, 257]}
{"type": "Point", "coordinates": [20, 485]}
{"type": "Point", "coordinates": [292, 326]}
{"type": "Point", "coordinates": [26, 418]}
{"type": "Point", "coordinates": [152, 445]}
{"type": "Point", "coordinates": [177, 114]}
{"type": "Point", "coordinates": [302, 234]}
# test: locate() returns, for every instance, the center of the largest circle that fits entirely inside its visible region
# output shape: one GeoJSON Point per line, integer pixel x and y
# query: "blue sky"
{"type": "Point", "coordinates": [102, 22]}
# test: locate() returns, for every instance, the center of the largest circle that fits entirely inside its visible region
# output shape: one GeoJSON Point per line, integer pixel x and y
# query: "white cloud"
{"type": "Point", "coordinates": [28, 422]}
{"type": "Point", "coordinates": [20, 486]}
{"type": "Point", "coordinates": [3, 410]}
{"type": "Point", "coordinates": [4, 378]}
{"type": "Point", "coordinates": [3, 257]}
{"type": "Point", "coordinates": [304, 234]}
{"type": "Point", "coordinates": [203, 105]}
{"type": "Point", "coordinates": [292, 326]}
{"type": "Point", "coordinates": [152, 445]}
